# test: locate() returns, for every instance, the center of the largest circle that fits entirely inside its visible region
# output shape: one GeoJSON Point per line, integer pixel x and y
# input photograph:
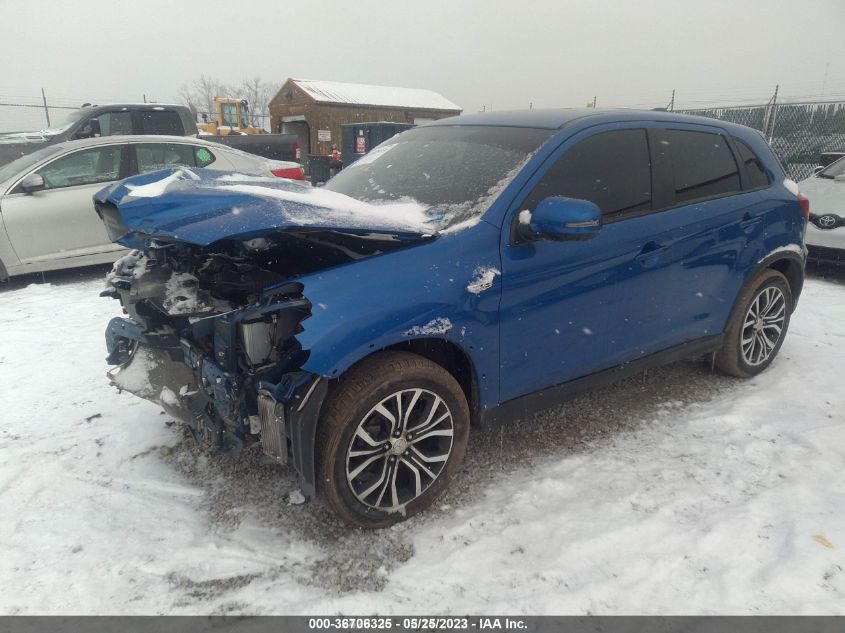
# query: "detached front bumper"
{"type": "Point", "coordinates": [215, 404]}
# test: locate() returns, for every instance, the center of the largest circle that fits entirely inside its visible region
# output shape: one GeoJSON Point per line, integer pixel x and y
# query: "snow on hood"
{"type": "Point", "coordinates": [202, 206]}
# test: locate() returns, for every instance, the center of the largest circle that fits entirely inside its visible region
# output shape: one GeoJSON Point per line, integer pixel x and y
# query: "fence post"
{"type": "Point", "coordinates": [46, 110]}
{"type": "Point", "coordinates": [774, 114]}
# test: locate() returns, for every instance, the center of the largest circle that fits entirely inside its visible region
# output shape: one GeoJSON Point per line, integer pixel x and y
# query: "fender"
{"type": "Point", "coordinates": [791, 254]}
{"type": "Point", "coordinates": [449, 291]}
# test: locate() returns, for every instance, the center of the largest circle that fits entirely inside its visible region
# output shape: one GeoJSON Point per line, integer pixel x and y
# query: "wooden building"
{"type": "Point", "coordinates": [315, 110]}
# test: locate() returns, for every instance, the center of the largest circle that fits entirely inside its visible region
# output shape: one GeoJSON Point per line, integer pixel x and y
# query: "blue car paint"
{"type": "Point", "coordinates": [197, 210]}
{"type": "Point", "coordinates": [381, 301]}
{"type": "Point", "coordinates": [558, 310]}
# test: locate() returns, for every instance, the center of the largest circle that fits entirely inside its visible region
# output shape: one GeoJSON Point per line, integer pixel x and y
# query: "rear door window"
{"type": "Point", "coordinates": [161, 122]}
{"type": "Point", "coordinates": [703, 165]}
{"type": "Point", "coordinates": [611, 169]}
{"type": "Point", "coordinates": [155, 156]}
{"type": "Point", "coordinates": [755, 174]}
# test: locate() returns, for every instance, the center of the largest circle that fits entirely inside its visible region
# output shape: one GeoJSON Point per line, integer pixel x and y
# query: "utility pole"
{"type": "Point", "coordinates": [46, 110]}
{"type": "Point", "coordinates": [145, 97]}
{"type": "Point", "coordinates": [671, 107]}
{"type": "Point", "coordinates": [594, 103]}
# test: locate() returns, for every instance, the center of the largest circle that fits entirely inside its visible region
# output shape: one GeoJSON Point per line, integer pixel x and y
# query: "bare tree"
{"type": "Point", "coordinates": [198, 94]}
{"type": "Point", "coordinates": [258, 93]}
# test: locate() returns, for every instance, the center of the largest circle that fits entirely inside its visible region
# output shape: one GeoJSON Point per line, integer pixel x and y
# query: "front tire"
{"type": "Point", "coordinates": [392, 434]}
{"type": "Point", "coordinates": [757, 327]}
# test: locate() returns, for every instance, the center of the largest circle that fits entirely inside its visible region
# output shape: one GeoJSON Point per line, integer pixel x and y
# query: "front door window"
{"type": "Point", "coordinates": [85, 167]}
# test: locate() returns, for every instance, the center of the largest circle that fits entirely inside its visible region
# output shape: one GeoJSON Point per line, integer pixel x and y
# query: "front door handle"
{"type": "Point", "coordinates": [649, 253]}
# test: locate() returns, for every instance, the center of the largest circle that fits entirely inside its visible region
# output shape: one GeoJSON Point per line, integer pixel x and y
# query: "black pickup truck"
{"type": "Point", "coordinates": [139, 118]}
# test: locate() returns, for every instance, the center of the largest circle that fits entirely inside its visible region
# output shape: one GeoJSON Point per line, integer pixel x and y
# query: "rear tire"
{"type": "Point", "coordinates": [392, 434]}
{"type": "Point", "coordinates": [757, 326]}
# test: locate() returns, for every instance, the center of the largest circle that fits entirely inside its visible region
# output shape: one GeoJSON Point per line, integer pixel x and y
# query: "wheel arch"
{"type": "Point", "coordinates": [450, 357]}
{"type": "Point", "coordinates": [787, 261]}
{"type": "Point", "coordinates": [793, 269]}
{"type": "Point", "coordinates": [442, 352]}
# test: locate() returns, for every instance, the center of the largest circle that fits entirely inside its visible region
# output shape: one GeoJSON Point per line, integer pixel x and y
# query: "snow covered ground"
{"type": "Point", "coordinates": [678, 491]}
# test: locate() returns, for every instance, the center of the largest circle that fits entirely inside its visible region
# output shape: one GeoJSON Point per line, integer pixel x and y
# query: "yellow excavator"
{"type": "Point", "coordinates": [232, 117]}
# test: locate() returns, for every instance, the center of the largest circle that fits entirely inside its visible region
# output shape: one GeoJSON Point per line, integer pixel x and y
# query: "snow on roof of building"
{"type": "Point", "coordinates": [389, 96]}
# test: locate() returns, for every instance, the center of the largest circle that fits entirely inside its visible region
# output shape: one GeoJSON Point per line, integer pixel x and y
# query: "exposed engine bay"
{"type": "Point", "coordinates": [211, 335]}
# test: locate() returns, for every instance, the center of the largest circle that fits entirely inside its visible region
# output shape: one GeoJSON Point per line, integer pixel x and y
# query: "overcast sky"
{"type": "Point", "coordinates": [499, 54]}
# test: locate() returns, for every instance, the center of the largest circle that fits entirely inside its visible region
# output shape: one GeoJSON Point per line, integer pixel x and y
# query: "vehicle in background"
{"type": "Point", "coordinates": [232, 117]}
{"type": "Point", "coordinates": [471, 269]}
{"type": "Point", "coordinates": [140, 119]}
{"type": "Point", "coordinates": [826, 231]}
{"type": "Point", "coordinates": [828, 158]}
{"type": "Point", "coordinates": [272, 146]}
{"type": "Point", "coordinates": [46, 206]}
{"type": "Point", "coordinates": [91, 121]}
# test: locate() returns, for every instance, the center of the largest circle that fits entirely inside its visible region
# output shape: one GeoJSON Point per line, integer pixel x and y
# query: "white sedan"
{"type": "Point", "coordinates": [826, 230]}
{"type": "Point", "coordinates": [46, 206]}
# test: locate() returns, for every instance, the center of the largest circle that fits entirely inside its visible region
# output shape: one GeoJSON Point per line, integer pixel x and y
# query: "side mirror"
{"type": "Point", "coordinates": [89, 130]}
{"type": "Point", "coordinates": [817, 169]}
{"type": "Point", "coordinates": [561, 219]}
{"type": "Point", "coordinates": [32, 182]}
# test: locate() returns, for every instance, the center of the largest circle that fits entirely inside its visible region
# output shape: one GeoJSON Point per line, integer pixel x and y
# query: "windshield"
{"type": "Point", "coordinates": [833, 170]}
{"type": "Point", "coordinates": [65, 120]}
{"type": "Point", "coordinates": [17, 167]}
{"type": "Point", "coordinates": [455, 172]}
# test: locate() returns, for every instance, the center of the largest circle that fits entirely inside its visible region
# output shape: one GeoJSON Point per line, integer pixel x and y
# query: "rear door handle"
{"type": "Point", "coordinates": [749, 221]}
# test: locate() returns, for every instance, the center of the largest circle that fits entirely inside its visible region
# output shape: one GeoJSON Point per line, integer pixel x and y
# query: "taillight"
{"type": "Point", "coordinates": [296, 151]}
{"type": "Point", "coordinates": [294, 173]}
{"type": "Point", "coordinates": [804, 201]}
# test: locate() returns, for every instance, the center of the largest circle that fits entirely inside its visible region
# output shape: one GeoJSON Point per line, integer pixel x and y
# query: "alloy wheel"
{"type": "Point", "coordinates": [763, 326]}
{"type": "Point", "coordinates": [399, 449]}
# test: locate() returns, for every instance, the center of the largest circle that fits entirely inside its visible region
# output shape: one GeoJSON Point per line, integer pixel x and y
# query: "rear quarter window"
{"type": "Point", "coordinates": [203, 156]}
{"type": "Point", "coordinates": [703, 165]}
{"type": "Point", "coordinates": [756, 175]}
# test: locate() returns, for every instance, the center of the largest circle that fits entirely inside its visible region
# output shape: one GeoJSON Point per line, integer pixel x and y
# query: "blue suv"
{"type": "Point", "coordinates": [471, 269]}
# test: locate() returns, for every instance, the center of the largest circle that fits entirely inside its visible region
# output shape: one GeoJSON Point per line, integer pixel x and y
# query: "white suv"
{"type": "Point", "coordinates": [826, 229]}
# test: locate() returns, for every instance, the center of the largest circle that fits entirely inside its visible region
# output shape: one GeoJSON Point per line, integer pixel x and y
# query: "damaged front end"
{"type": "Point", "coordinates": [231, 374]}
{"type": "Point", "coordinates": [210, 332]}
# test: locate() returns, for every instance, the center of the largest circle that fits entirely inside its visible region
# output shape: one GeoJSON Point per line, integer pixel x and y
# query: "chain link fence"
{"type": "Point", "coordinates": [797, 132]}
{"type": "Point", "coordinates": [29, 117]}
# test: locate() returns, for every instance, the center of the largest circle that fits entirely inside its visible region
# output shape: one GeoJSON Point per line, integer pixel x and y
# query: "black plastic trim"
{"type": "Point", "coordinates": [302, 417]}
{"type": "Point", "coordinates": [527, 405]}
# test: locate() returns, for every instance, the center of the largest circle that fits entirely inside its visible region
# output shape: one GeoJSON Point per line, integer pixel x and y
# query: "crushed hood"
{"type": "Point", "coordinates": [202, 206]}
